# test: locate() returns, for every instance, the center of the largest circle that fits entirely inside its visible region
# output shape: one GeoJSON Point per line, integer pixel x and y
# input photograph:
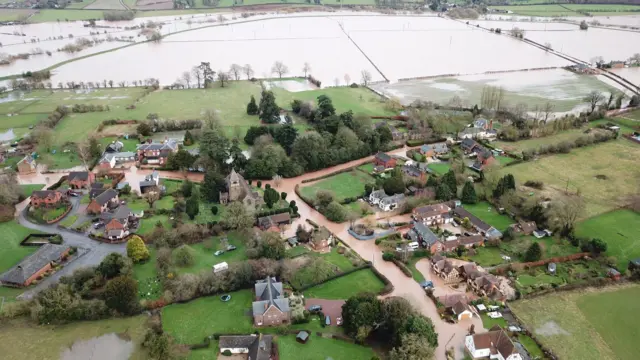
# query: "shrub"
{"type": "Point", "coordinates": [226, 352]}
{"type": "Point", "coordinates": [388, 256]}
{"type": "Point", "coordinates": [184, 256]}
{"type": "Point", "coordinates": [136, 249]}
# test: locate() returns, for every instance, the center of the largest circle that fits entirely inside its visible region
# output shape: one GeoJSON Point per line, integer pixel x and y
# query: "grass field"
{"type": "Point", "coordinates": [147, 225]}
{"type": "Point", "coordinates": [47, 15]}
{"type": "Point", "coordinates": [149, 287]}
{"type": "Point", "coordinates": [20, 121]}
{"type": "Point", "coordinates": [53, 340]}
{"type": "Point", "coordinates": [10, 250]}
{"type": "Point", "coordinates": [14, 14]}
{"type": "Point", "coordinates": [347, 286]}
{"type": "Point", "coordinates": [205, 259]}
{"type": "Point", "coordinates": [440, 168]}
{"type": "Point", "coordinates": [68, 220]}
{"type": "Point", "coordinates": [343, 185]}
{"type": "Point", "coordinates": [189, 323]}
{"type": "Point", "coordinates": [488, 256]}
{"type": "Point", "coordinates": [617, 160]}
{"type": "Point", "coordinates": [563, 322]}
{"type": "Point", "coordinates": [619, 229]}
{"type": "Point", "coordinates": [570, 9]}
{"type": "Point", "coordinates": [318, 348]}
{"type": "Point", "coordinates": [536, 143]}
{"type": "Point", "coordinates": [487, 213]}
{"type": "Point", "coordinates": [27, 190]}
{"type": "Point", "coordinates": [551, 247]}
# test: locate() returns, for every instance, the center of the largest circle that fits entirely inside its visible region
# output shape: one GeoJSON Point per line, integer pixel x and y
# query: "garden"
{"type": "Point", "coordinates": [12, 234]}
{"type": "Point", "coordinates": [204, 257]}
{"type": "Point", "coordinates": [315, 267]}
{"type": "Point", "coordinates": [487, 213]}
{"type": "Point", "coordinates": [364, 280]}
{"type": "Point", "coordinates": [319, 348]}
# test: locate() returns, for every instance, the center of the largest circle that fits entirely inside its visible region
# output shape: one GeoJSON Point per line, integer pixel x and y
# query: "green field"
{"type": "Point", "coordinates": [14, 14]}
{"type": "Point", "coordinates": [488, 256]}
{"type": "Point", "coordinates": [487, 213]}
{"type": "Point", "coordinates": [53, 340]}
{"type": "Point", "coordinates": [344, 185]}
{"type": "Point", "coordinates": [551, 246]}
{"type": "Point", "coordinates": [10, 249]}
{"type": "Point", "coordinates": [149, 286]}
{"type": "Point", "coordinates": [563, 322]}
{"type": "Point", "coordinates": [619, 229]}
{"type": "Point", "coordinates": [27, 190]}
{"type": "Point", "coordinates": [20, 121]}
{"type": "Point", "coordinates": [439, 168]}
{"type": "Point", "coordinates": [577, 171]}
{"type": "Point", "coordinates": [205, 259]}
{"type": "Point", "coordinates": [189, 323]}
{"type": "Point", "coordinates": [318, 348]}
{"type": "Point", "coordinates": [347, 286]}
{"type": "Point", "coordinates": [47, 15]}
{"type": "Point", "coordinates": [570, 9]}
{"type": "Point", "coordinates": [536, 143]}
{"type": "Point", "coordinates": [147, 225]}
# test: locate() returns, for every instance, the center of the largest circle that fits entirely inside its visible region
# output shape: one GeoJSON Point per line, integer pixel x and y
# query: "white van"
{"type": "Point", "coordinates": [414, 245]}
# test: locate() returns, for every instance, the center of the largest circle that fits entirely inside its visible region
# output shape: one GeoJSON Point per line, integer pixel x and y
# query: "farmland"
{"type": "Point", "coordinates": [563, 322]}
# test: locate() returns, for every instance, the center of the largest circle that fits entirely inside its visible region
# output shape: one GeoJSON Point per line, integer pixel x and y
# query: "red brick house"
{"type": "Point", "coordinates": [382, 159]}
{"type": "Point", "coordinates": [81, 179]}
{"type": "Point", "coordinates": [102, 202]}
{"type": "Point", "coordinates": [274, 222]}
{"type": "Point", "coordinates": [37, 264]}
{"type": "Point", "coordinates": [484, 157]}
{"type": "Point", "coordinates": [321, 240]}
{"type": "Point", "coordinates": [432, 214]}
{"type": "Point", "coordinates": [156, 153]}
{"type": "Point", "coordinates": [46, 198]}
{"type": "Point", "coordinates": [270, 307]}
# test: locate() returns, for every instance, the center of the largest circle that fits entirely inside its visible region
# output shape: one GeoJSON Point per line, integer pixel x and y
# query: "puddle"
{"type": "Point", "coordinates": [105, 347]}
{"type": "Point", "coordinates": [7, 135]}
{"type": "Point", "coordinates": [292, 85]}
{"type": "Point", "coordinates": [551, 328]}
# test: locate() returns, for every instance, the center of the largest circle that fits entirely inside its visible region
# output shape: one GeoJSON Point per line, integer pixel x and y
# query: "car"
{"type": "Point", "coordinates": [315, 308]}
{"type": "Point", "coordinates": [98, 225]}
{"type": "Point", "coordinates": [327, 320]}
{"type": "Point", "coordinates": [218, 253]}
{"type": "Point", "coordinates": [73, 193]}
{"type": "Point", "coordinates": [231, 247]}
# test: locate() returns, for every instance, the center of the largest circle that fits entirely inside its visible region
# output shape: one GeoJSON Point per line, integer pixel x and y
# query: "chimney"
{"type": "Point", "coordinates": [265, 306]}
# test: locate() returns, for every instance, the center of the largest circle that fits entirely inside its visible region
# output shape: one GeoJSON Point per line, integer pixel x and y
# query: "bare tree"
{"type": "Point", "coordinates": [248, 71]}
{"type": "Point", "coordinates": [347, 79]}
{"type": "Point", "coordinates": [121, 84]}
{"type": "Point", "coordinates": [547, 46]}
{"type": "Point", "coordinates": [594, 99]}
{"type": "Point", "coordinates": [197, 75]}
{"type": "Point", "coordinates": [336, 82]}
{"type": "Point", "coordinates": [221, 19]}
{"type": "Point", "coordinates": [635, 59]}
{"type": "Point", "coordinates": [597, 61]}
{"type": "Point", "coordinates": [565, 212]}
{"type": "Point", "coordinates": [365, 76]}
{"type": "Point", "coordinates": [492, 97]}
{"type": "Point", "coordinates": [186, 77]}
{"type": "Point", "coordinates": [235, 71]}
{"type": "Point", "coordinates": [306, 68]}
{"type": "Point", "coordinates": [151, 197]}
{"type": "Point", "coordinates": [84, 153]}
{"type": "Point", "coordinates": [517, 32]}
{"type": "Point", "coordinates": [455, 102]}
{"type": "Point", "coordinates": [277, 180]}
{"type": "Point", "coordinates": [222, 77]}
{"type": "Point", "coordinates": [279, 68]}
{"type": "Point", "coordinates": [548, 111]}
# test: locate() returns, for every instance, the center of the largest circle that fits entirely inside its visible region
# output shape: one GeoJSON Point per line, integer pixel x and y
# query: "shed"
{"type": "Point", "coordinates": [302, 337]}
{"type": "Point", "coordinates": [220, 267]}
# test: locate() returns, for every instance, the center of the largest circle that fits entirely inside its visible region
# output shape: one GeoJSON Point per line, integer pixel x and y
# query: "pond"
{"type": "Point", "coordinates": [105, 347]}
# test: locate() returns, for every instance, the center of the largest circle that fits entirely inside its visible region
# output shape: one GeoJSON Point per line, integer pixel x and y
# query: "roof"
{"type": "Point", "coordinates": [451, 300]}
{"type": "Point", "coordinates": [115, 146]}
{"type": "Point", "coordinates": [170, 144]}
{"type": "Point", "coordinates": [438, 148]}
{"type": "Point", "coordinates": [78, 175]}
{"type": "Point", "coordinates": [28, 159]}
{"type": "Point", "coordinates": [121, 214]}
{"type": "Point", "coordinates": [259, 345]}
{"type": "Point", "coordinates": [270, 293]}
{"type": "Point", "coordinates": [293, 240]}
{"type": "Point", "coordinates": [393, 199]}
{"type": "Point", "coordinates": [496, 340]}
{"type": "Point", "coordinates": [480, 122]}
{"type": "Point", "coordinates": [302, 335]}
{"type": "Point", "coordinates": [34, 263]}
{"type": "Point", "coordinates": [460, 307]}
{"type": "Point", "coordinates": [613, 272]}
{"type": "Point", "coordinates": [432, 210]}
{"type": "Point", "coordinates": [383, 157]}
{"type": "Point", "coordinates": [412, 170]}
{"type": "Point", "coordinates": [107, 157]}
{"type": "Point", "coordinates": [469, 144]}
{"type": "Point", "coordinates": [45, 194]}
{"type": "Point", "coordinates": [378, 194]}
{"type": "Point", "coordinates": [106, 196]}
{"type": "Point", "coordinates": [425, 233]}
{"type": "Point", "coordinates": [463, 213]}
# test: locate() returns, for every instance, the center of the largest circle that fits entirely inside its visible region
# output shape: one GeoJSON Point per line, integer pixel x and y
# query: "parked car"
{"type": "Point", "coordinates": [315, 308]}
{"type": "Point", "coordinates": [231, 247]}
{"type": "Point", "coordinates": [98, 225]}
{"type": "Point", "coordinates": [327, 320]}
{"type": "Point", "coordinates": [218, 253]}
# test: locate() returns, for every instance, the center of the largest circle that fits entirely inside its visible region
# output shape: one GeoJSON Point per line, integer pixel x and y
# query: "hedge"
{"type": "Point", "coordinates": [273, 212]}
{"type": "Point", "coordinates": [388, 286]}
{"type": "Point", "coordinates": [330, 174]}
{"type": "Point", "coordinates": [423, 142]}
{"type": "Point", "coordinates": [402, 267]}
{"type": "Point", "coordinates": [58, 183]}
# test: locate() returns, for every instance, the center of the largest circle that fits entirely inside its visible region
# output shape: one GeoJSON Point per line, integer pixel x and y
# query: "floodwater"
{"type": "Point", "coordinates": [7, 135]}
{"type": "Point", "coordinates": [292, 85]}
{"type": "Point", "coordinates": [632, 74]}
{"type": "Point", "coordinates": [105, 347]}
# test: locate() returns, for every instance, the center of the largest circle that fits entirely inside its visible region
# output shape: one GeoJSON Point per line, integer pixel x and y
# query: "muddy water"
{"type": "Point", "coordinates": [105, 347]}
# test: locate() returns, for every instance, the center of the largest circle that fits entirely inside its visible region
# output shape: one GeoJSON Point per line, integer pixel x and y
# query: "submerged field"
{"type": "Point", "coordinates": [592, 324]}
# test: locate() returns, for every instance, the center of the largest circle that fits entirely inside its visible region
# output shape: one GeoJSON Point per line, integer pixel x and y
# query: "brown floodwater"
{"type": "Point", "coordinates": [105, 347]}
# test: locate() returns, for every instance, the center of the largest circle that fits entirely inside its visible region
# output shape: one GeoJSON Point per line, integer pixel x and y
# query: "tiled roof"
{"type": "Point", "coordinates": [32, 264]}
{"type": "Point", "coordinates": [383, 157]}
{"type": "Point", "coordinates": [78, 175]}
{"type": "Point", "coordinates": [106, 196]}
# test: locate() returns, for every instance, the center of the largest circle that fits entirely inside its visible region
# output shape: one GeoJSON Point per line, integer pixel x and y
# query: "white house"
{"type": "Point", "coordinates": [376, 196]}
{"type": "Point", "coordinates": [494, 344]}
{"type": "Point", "coordinates": [391, 202]}
{"type": "Point", "coordinates": [462, 311]}
{"type": "Point", "coordinates": [220, 267]}
{"type": "Point", "coordinates": [477, 133]}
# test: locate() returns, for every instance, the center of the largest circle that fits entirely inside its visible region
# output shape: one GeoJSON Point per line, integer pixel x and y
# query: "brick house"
{"type": "Point", "coordinates": [156, 153]}
{"type": "Point", "coordinates": [102, 202]}
{"type": "Point", "coordinates": [465, 241]}
{"type": "Point", "coordinates": [81, 179]}
{"type": "Point", "coordinates": [424, 236]}
{"type": "Point", "coordinates": [382, 159]}
{"type": "Point", "coordinates": [415, 172]}
{"type": "Point", "coordinates": [270, 307]}
{"type": "Point", "coordinates": [494, 344]}
{"type": "Point", "coordinates": [36, 264]}
{"type": "Point", "coordinates": [484, 157]}
{"type": "Point", "coordinates": [46, 198]}
{"type": "Point", "coordinates": [117, 223]}
{"type": "Point", "coordinates": [274, 222]}
{"type": "Point", "coordinates": [468, 145]}
{"type": "Point", "coordinates": [432, 214]}
{"type": "Point", "coordinates": [27, 165]}
{"type": "Point", "coordinates": [446, 271]}
{"type": "Point", "coordinates": [257, 347]}
{"type": "Point", "coordinates": [434, 149]}
{"type": "Point", "coordinates": [479, 225]}
{"type": "Point", "coordinates": [111, 160]}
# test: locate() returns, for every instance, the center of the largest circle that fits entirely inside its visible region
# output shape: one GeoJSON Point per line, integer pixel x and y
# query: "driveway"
{"type": "Point", "coordinates": [331, 308]}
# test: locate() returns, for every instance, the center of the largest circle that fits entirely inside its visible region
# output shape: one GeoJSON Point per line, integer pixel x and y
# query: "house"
{"type": "Point", "coordinates": [117, 223]}
{"type": "Point", "coordinates": [35, 265]}
{"type": "Point", "coordinates": [414, 172]}
{"type": "Point", "coordinates": [382, 159]}
{"type": "Point", "coordinates": [424, 236]}
{"type": "Point", "coordinates": [151, 183]}
{"type": "Point", "coordinates": [156, 153]}
{"type": "Point", "coordinates": [321, 239]}
{"type": "Point", "coordinates": [484, 157]}
{"type": "Point", "coordinates": [465, 241]}
{"type": "Point", "coordinates": [477, 224]}
{"type": "Point", "coordinates": [524, 227]}
{"type": "Point", "coordinates": [96, 189]}
{"type": "Point", "coordinates": [111, 160]}
{"type": "Point", "coordinates": [494, 344]}
{"type": "Point", "coordinates": [274, 222]}
{"type": "Point", "coordinates": [271, 307]}
{"type": "Point", "coordinates": [237, 189]}
{"type": "Point", "coordinates": [458, 305]}
{"type": "Point", "coordinates": [114, 147]}
{"type": "Point", "coordinates": [437, 257]}
{"type": "Point", "coordinates": [616, 64]}
{"type": "Point", "coordinates": [468, 145]}
{"type": "Point", "coordinates": [46, 198]}
{"type": "Point", "coordinates": [432, 214]}
{"type": "Point", "coordinates": [446, 270]}
{"type": "Point", "coordinates": [391, 202]}
{"type": "Point", "coordinates": [376, 196]}
{"type": "Point", "coordinates": [482, 123]}
{"type": "Point", "coordinates": [395, 133]}
{"type": "Point", "coordinates": [81, 179]}
{"type": "Point", "coordinates": [27, 165]}
{"type": "Point", "coordinates": [467, 270]}
{"type": "Point", "coordinates": [477, 133]}
{"type": "Point", "coordinates": [484, 284]}
{"type": "Point", "coordinates": [258, 347]}
{"type": "Point", "coordinates": [434, 149]}
{"type": "Point", "coordinates": [103, 202]}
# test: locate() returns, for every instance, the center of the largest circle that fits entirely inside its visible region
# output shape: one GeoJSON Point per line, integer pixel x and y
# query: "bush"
{"type": "Point", "coordinates": [184, 256]}
{"type": "Point", "coordinates": [226, 352]}
{"type": "Point", "coordinates": [136, 249]}
{"type": "Point", "coordinates": [388, 256]}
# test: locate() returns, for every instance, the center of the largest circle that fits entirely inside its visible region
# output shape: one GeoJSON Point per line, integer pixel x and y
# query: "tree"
{"type": "Point", "coordinates": [534, 253]}
{"type": "Point", "coordinates": [450, 180]}
{"type": "Point", "coordinates": [114, 265]}
{"type": "Point", "coordinates": [283, 196]}
{"type": "Point", "coordinates": [594, 98]}
{"type": "Point", "coordinates": [252, 108]}
{"type": "Point", "coordinates": [361, 312]}
{"type": "Point", "coordinates": [443, 192]}
{"type": "Point", "coordinates": [335, 212]}
{"type": "Point", "coordinates": [238, 159]}
{"type": "Point", "coordinates": [268, 110]}
{"type": "Point", "coordinates": [431, 181]}
{"type": "Point", "coordinates": [144, 129]}
{"type": "Point", "coordinates": [187, 188]}
{"type": "Point", "coordinates": [180, 160]}
{"type": "Point", "coordinates": [214, 145]}
{"type": "Point", "coordinates": [44, 137]}
{"type": "Point", "coordinates": [469, 193]}
{"type": "Point", "coordinates": [395, 183]}
{"type": "Point", "coordinates": [188, 139]}
{"type": "Point", "coordinates": [84, 153]}
{"type": "Point", "coordinates": [223, 77]}
{"type": "Point", "coordinates": [365, 76]}
{"type": "Point", "coordinates": [325, 107]}
{"type": "Point", "coordinates": [413, 348]}
{"type": "Point", "coordinates": [635, 59]}
{"type": "Point", "coordinates": [235, 70]}
{"type": "Point", "coordinates": [272, 246]}
{"type": "Point", "coordinates": [306, 69]}
{"type": "Point", "coordinates": [184, 256]}
{"type": "Point", "coordinates": [186, 77]}
{"type": "Point", "coordinates": [151, 197]}
{"type": "Point", "coordinates": [238, 217]}
{"type": "Point", "coordinates": [121, 294]}
{"type": "Point", "coordinates": [136, 249]}
{"type": "Point", "coordinates": [197, 75]}
{"type": "Point", "coordinates": [207, 74]}
{"type": "Point", "coordinates": [279, 68]}
{"type": "Point", "coordinates": [271, 197]}
{"type": "Point", "coordinates": [192, 207]}
{"type": "Point", "coordinates": [584, 25]}
{"type": "Point", "coordinates": [565, 212]}
{"type": "Point", "coordinates": [598, 246]}
{"type": "Point", "coordinates": [248, 71]}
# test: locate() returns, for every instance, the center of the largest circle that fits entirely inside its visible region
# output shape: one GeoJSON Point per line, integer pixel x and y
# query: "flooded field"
{"type": "Point", "coordinates": [631, 74]}
{"type": "Point", "coordinates": [105, 347]}
{"type": "Point", "coordinates": [564, 89]}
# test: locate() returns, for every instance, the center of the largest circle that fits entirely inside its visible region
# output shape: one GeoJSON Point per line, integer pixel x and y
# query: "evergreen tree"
{"type": "Point", "coordinates": [469, 193]}
{"type": "Point", "coordinates": [450, 179]}
{"type": "Point", "coordinates": [252, 108]}
{"type": "Point", "coordinates": [534, 253]}
{"type": "Point", "coordinates": [269, 111]}
{"type": "Point", "coordinates": [443, 192]}
{"type": "Point", "coordinates": [325, 107]}
{"type": "Point", "coordinates": [193, 207]}
{"type": "Point", "coordinates": [509, 182]}
{"type": "Point", "coordinates": [238, 160]}
{"type": "Point", "coordinates": [211, 186]}
{"type": "Point", "coordinates": [394, 184]}
{"type": "Point", "coordinates": [94, 148]}
{"type": "Point", "coordinates": [432, 182]}
{"type": "Point", "coordinates": [188, 139]}
{"type": "Point", "coordinates": [187, 188]}
{"type": "Point", "coordinates": [136, 249]}
{"type": "Point", "coordinates": [500, 189]}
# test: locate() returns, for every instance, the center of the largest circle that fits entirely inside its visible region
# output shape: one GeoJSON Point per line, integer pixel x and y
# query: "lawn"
{"type": "Point", "coordinates": [368, 167]}
{"type": "Point", "coordinates": [577, 171]}
{"type": "Point", "coordinates": [488, 322]}
{"type": "Point", "coordinates": [318, 348]}
{"type": "Point", "coordinates": [347, 286]}
{"type": "Point", "coordinates": [53, 340]}
{"type": "Point", "coordinates": [536, 143]}
{"type": "Point", "coordinates": [61, 159]}
{"type": "Point", "coordinates": [27, 190]}
{"type": "Point", "coordinates": [358, 100]}
{"type": "Point", "coordinates": [531, 346]}
{"type": "Point", "coordinates": [488, 256]}
{"type": "Point", "coordinates": [149, 287]}
{"type": "Point", "coordinates": [147, 224]}
{"type": "Point", "coordinates": [415, 273]}
{"type": "Point", "coordinates": [10, 250]}
{"type": "Point", "coordinates": [619, 229]}
{"type": "Point", "coordinates": [626, 125]}
{"type": "Point", "coordinates": [68, 221]}
{"type": "Point", "coordinates": [205, 259]}
{"type": "Point", "coordinates": [344, 185]}
{"type": "Point", "coordinates": [297, 251]}
{"type": "Point", "coordinates": [563, 322]}
{"type": "Point", "coordinates": [20, 121]}
{"type": "Point", "coordinates": [189, 323]}
{"type": "Point", "coordinates": [487, 213]}
{"type": "Point", "coordinates": [551, 246]}
{"type": "Point", "coordinates": [439, 168]}
{"type": "Point", "coordinates": [128, 144]}
{"type": "Point", "coordinates": [14, 14]}
{"type": "Point", "coordinates": [140, 204]}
